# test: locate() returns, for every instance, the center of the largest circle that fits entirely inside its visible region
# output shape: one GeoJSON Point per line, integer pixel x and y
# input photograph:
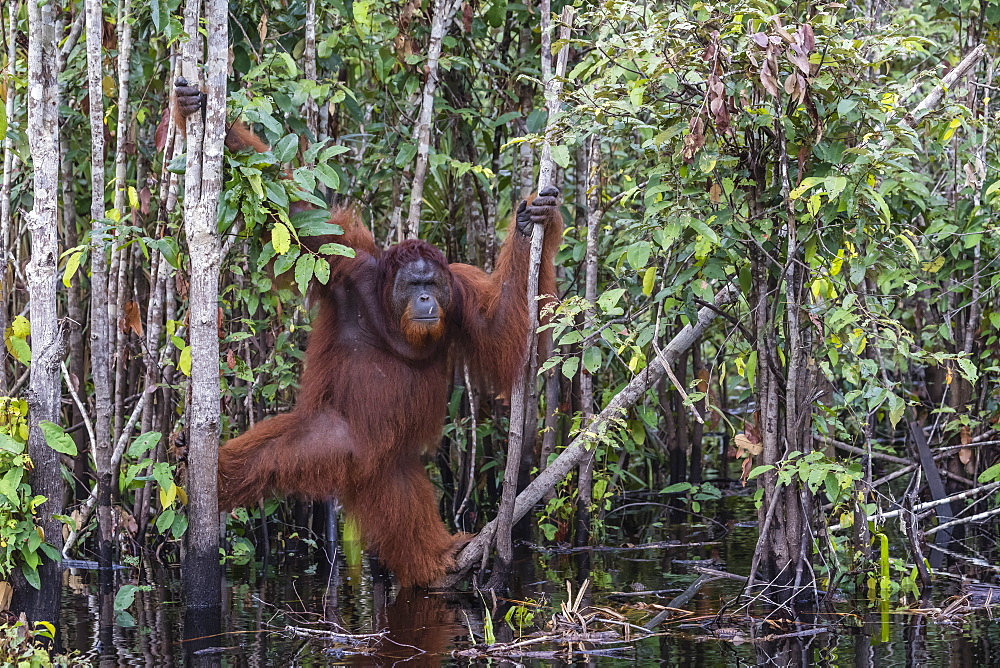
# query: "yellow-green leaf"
{"type": "Point", "coordinates": [281, 239]}
{"type": "Point", "coordinates": [648, 281]}
{"type": "Point", "coordinates": [184, 361]}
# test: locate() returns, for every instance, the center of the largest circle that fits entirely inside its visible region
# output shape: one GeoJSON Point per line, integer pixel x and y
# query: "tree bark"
{"type": "Point", "coordinates": [444, 12]}
{"type": "Point", "coordinates": [203, 182]}
{"type": "Point", "coordinates": [100, 330]}
{"type": "Point", "coordinates": [585, 498]}
{"type": "Point", "coordinates": [117, 296]}
{"type": "Point", "coordinates": [5, 186]}
{"type": "Point", "coordinates": [46, 341]}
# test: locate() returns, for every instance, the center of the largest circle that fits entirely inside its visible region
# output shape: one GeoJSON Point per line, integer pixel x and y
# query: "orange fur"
{"type": "Point", "coordinates": [418, 334]}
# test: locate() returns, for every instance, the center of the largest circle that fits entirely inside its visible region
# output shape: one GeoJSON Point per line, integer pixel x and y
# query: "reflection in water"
{"type": "Point", "coordinates": [423, 628]}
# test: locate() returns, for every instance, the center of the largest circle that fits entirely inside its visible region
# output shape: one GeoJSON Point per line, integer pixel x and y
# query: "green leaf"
{"type": "Point", "coordinates": [592, 359]}
{"type": "Point", "coordinates": [638, 254]}
{"type": "Point", "coordinates": [20, 349]}
{"type": "Point", "coordinates": [125, 597]}
{"type": "Point", "coordinates": [990, 474]}
{"type": "Point", "coordinates": [649, 281]}
{"type": "Point", "coordinates": [72, 264]}
{"type": "Point", "coordinates": [57, 438]}
{"type": "Point", "coordinates": [570, 366]}
{"type": "Point", "coordinates": [337, 249]}
{"type": "Point", "coordinates": [144, 443]}
{"type": "Point", "coordinates": [30, 574]}
{"type": "Point", "coordinates": [281, 238]}
{"type": "Point", "coordinates": [8, 444]}
{"type": "Point", "coordinates": [328, 176]}
{"type": "Point", "coordinates": [21, 327]}
{"type": "Point", "coordinates": [9, 484]}
{"type": "Point", "coordinates": [322, 270]}
{"type": "Point", "coordinates": [405, 155]}
{"type": "Point", "coordinates": [304, 271]}
{"type": "Point", "coordinates": [156, 10]}
{"type": "Point", "coordinates": [165, 520]}
{"type": "Point", "coordinates": [560, 154]}
{"type": "Point", "coordinates": [496, 14]}
{"type": "Point", "coordinates": [896, 407]}
{"type": "Point", "coordinates": [676, 488]}
{"type": "Point", "coordinates": [286, 147]}
{"type": "Point", "coordinates": [277, 194]}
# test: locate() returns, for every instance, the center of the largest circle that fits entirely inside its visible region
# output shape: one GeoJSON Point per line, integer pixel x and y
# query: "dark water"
{"type": "Point", "coordinates": [267, 613]}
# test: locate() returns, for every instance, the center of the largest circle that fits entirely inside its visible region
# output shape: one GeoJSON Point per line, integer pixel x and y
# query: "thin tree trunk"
{"type": "Point", "coordinates": [100, 350]}
{"type": "Point", "coordinates": [203, 183]}
{"type": "Point", "coordinates": [585, 498]}
{"type": "Point", "coordinates": [46, 341]}
{"type": "Point", "coordinates": [444, 12]}
{"type": "Point", "coordinates": [76, 317]}
{"type": "Point", "coordinates": [309, 69]}
{"type": "Point", "coordinates": [5, 188]}
{"type": "Point", "coordinates": [523, 398]}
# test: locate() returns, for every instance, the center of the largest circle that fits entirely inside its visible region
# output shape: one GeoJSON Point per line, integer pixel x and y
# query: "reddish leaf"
{"type": "Point", "coordinates": [132, 320]}
{"type": "Point", "coordinates": [760, 39]}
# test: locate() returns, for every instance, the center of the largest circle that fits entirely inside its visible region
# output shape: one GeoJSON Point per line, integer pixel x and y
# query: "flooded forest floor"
{"type": "Point", "coordinates": [574, 605]}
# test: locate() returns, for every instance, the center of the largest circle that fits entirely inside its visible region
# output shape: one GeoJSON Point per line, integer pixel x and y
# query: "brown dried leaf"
{"type": "Point", "coordinates": [790, 82]}
{"type": "Point", "coordinates": [181, 283]}
{"type": "Point", "coordinates": [144, 197]}
{"type": "Point", "coordinates": [785, 35]}
{"type": "Point", "coordinates": [132, 320]}
{"type": "Point", "coordinates": [695, 138]}
{"type": "Point", "coordinates": [109, 36]}
{"type": "Point", "coordinates": [746, 446]}
{"type": "Point", "coordinates": [230, 359]}
{"type": "Point", "coordinates": [262, 27]}
{"type": "Point", "coordinates": [6, 593]}
{"type": "Point", "coordinates": [747, 467]}
{"type": "Point", "coordinates": [806, 37]}
{"type": "Point", "coordinates": [768, 78]}
{"type": "Point", "coordinates": [760, 39]}
{"type": "Point", "coordinates": [798, 57]}
{"type": "Point", "coordinates": [715, 195]}
{"type": "Point", "coordinates": [965, 456]}
{"type": "Point", "coordinates": [966, 435]}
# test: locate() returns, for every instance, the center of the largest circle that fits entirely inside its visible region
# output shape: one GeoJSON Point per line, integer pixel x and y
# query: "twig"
{"type": "Point", "coordinates": [79, 404]}
{"type": "Point", "coordinates": [920, 507]}
{"type": "Point", "coordinates": [668, 369]}
{"type": "Point", "coordinates": [116, 457]}
{"type": "Point", "coordinates": [963, 520]}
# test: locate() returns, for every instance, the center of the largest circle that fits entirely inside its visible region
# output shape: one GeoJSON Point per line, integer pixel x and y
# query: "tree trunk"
{"type": "Point", "coordinates": [100, 330]}
{"type": "Point", "coordinates": [524, 396]}
{"type": "Point", "coordinates": [585, 497]}
{"type": "Point", "coordinates": [46, 341]}
{"type": "Point", "coordinates": [5, 186]}
{"type": "Point", "coordinates": [444, 12]}
{"type": "Point", "coordinates": [203, 182]}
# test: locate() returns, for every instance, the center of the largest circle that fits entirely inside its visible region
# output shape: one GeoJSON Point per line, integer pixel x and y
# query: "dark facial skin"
{"type": "Point", "coordinates": [422, 290]}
